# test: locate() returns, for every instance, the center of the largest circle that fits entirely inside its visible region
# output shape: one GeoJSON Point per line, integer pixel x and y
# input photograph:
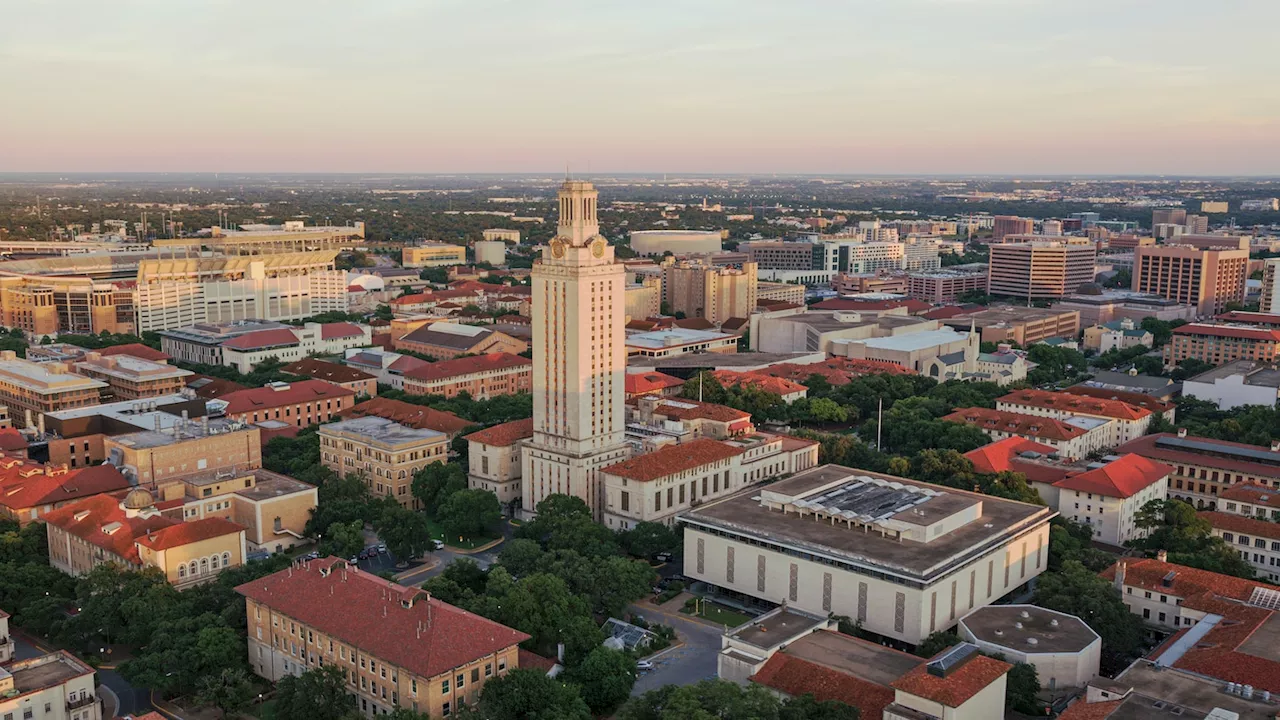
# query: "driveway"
{"type": "Point", "coordinates": [686, 665]}
{"type": "Point", "coordinates": [132, 700]}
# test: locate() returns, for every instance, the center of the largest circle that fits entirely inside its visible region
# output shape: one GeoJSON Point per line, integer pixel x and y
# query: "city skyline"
{"type": "Point", "coordinates": [955, 87]}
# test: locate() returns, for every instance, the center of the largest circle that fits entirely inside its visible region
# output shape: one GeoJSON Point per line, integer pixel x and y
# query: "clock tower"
{"type": "Point", "coordinates": [579, 359]}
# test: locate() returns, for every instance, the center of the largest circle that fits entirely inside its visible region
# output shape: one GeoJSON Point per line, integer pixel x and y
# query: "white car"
{"type": "Point", "coordinates": [439, 545]}
{"type": "Point", "coordinates": [644, 665]}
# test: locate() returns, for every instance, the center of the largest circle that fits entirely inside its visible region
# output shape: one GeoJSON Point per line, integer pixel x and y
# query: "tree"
{"type": "Point", "coordinates": [1174, 526]}
{"type": "Point", "coordinates": [605, 678]}
{"type": "Point", "coordinates": [826, 410]}
{"type": "Point", "coordinates": [647, 539]}
{"type": "Point", "coordinates": [317, 694]}
{"type": "Point", "coordinates": [1078, 591]}
{"type": "Point", "coordinates": [1023, 684]}
{"type": "Point", "coordinates": [469, 513]}
{"type": "Point", "coordinates": [936, 643]}
{"type": "Point", "coordinates": [723, 700]}
{"type": "Point", "coordinates": [433, 484]}
{"type": "Point", "coordinates": [404, 531]}
{"type": "Point", "coordinates": [525, 694]}
{"type": "Point", "coordinates": [343, 539]}
{"type": "Point", "coordinates": [229, 691]}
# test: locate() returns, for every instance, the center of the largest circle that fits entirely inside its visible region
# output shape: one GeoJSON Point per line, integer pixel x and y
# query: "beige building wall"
{"type": "Point", "coordinates": [64, 689]}
{"type": "Point", "coordinates": [280, 646]}
{"type": "Point", "coordinates": [495, 468]}
{"type": "Point", "coordinates": [899, 611]}
{"type": "Point", "coordinates": [434, 255]}
{"type": "Point", "coordinates": [238, 450]}
{"type": "Point", "coordinates": [706, 291]}
{"type": "Point", "coordinates": [783, 292]}
{"type": "Point", "coordinates": [1206, 279]}
{"type": "Point", "coordinates": [986, 704]}
{"type": "Point", "coordinates": [198, 562]}
{"type": "Point", "coordinates": [1040, 270]}
{"type": "Point", "coordinates": [644, 299]}
{"type": "Point", "coordinates": [386, 468]}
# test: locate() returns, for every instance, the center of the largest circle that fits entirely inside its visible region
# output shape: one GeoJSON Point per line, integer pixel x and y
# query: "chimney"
{"type": "Point", "coordinates": [1162, 556]}
{"type": "Point", "coordinates": [40, 422]}
{"type": "Point", "coordinates": [1182, 432]}
{"type": "Point", "coordinates": [1275, 446]}
{"type": "Point", "coordinates": [1120, 572]}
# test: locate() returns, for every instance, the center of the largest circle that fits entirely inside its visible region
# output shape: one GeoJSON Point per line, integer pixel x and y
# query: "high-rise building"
{"type": "Point", "coordinates": [1270, 287]}
{"type": "Point", "coordinates": [579, 359]}
{"type": "Point", "coordinates": [1168, 216]}
{"type": "Point", "coordinates": [1038, 270]}
{"type": "Point", "coordinates": [1051, 227]}
{"type": "Point", "coordinates": [1011, 225]}
{"type": "Point", "coordinates": [1207, 279]}
{"type": "Point", "coordinates": [699, 289]}
{"type": "Point", "coordinates": [1197, 224]}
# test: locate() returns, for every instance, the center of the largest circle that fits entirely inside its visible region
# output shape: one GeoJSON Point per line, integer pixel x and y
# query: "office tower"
{"type": "Point", "coordinates": [1039, 270]}
{"type": "Point", "coordinates": [1197, 224]}
{"type": "Point", "coordinates": [1207, 279]}
{"type": "Point", "coordinates": [1270, 287]}
{"type": "Point", "coordinates": [699, 289]}
{"type": "Point", "coordinates": [1168, 216]}
{"type": "Point", "coordinates": [1011, 225]}
{"type": "Point", "coordinates": [1051, 227]}
{"type": "Point", "coordinates": [579, 359]}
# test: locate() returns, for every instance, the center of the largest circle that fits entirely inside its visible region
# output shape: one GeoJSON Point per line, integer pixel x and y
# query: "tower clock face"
{"type": "Point", "coordinates": [597, 247]}
{"type": "Point", "coordinates": [557, 248]}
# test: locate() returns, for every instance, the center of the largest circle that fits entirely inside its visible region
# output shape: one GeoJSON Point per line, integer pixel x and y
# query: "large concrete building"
{"type": "Point", "coordinates": [37, 388]}
{"type": "Point", "coordinates": [433, 254]}
{"type": "Point", "coordinates": [1206, 279]}
{"type": "Point", "coordinates": [400, 647]}
{"type": "Point", "coordinates": [265, 239]}
{"type": "Point", "coordinates": [579, 359]}
{"type": "Point", "coordinates": [1065, 651]}
{"type": "Point", "coordinates": [1097, 306]}
{"type": "Point", "coordinates": [1218, 343]}
{"type": "Point", "coordinates": [1022, 325]}
{"type": "Point", "coordinates": [704, 291]}
{"type": "Point", "coordinates": [179, 292]}
{"type": "Point", "coordinates": [946, 284]}
{"type": "Point", "coordinates": [58, 686]}
{"type": "Point", "coordinates": [1003, 225]}
{"type": "Point", "coordinates": [821, 542]}
{"type": "Point", "coordinates": [1045, 270]}
{"type": "Point", "coordinates": [644, 298]}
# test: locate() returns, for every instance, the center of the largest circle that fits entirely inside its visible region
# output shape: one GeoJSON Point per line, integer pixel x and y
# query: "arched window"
{"type": "Point", "coordinates": [204, 565]}
{"type": "Point", "coordinates": [192, 570]}
{"type": "Point", "coordinates": [182, 571]}
{"type": "Point", "coordinates": [213, 562]}
{"type": "Point", "coordinates": [226, 559]}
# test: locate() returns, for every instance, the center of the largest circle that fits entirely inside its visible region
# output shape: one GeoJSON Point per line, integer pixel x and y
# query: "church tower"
{"type": "Point", "coordinates": [579, 359]}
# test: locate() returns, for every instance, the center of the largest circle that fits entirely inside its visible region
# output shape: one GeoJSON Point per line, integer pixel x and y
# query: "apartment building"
{"type": "Point", "coordinates": [481, 376]}
{"type": "Point", "coordinates": [1168, 216]}
{"type": "Point", "coordinates": [947, 284]}
{"type": "Point", "coordinates": [782, 292]}
{"type": "Point", "coordinates": [131, 378]}
{"type": "Point", "coordinates": [127, 529]}
{"type": "Point", "coordinates": [1270, 300]}
{"type": "Point", "coordinates": [433, 254]}
{"type": "Point", "coordinates": [1130, 421]}
{"type": "Point", "coordinates": [1257, 541]}
{"type": "Point", "coordinates": [246, 350]}
{"type": "Point", "coordinates": [702, 290]}
{"type": "Point", "coordinates": [382, 453]}
{"type": "Point", "coordinates": [447, 340]}
{"type": "Point", "coordinates": [56, 686]}
{"type": "Point", "coordinates": [398, 646]}
{"type": "Point", "coordinates": [1207, 279]}
{"type": "Point", "coordinates": [644, 298]}
{"type": "Point", "coordinates": [273, 509]}
{"type": "Point", "coordinates": [344, 376]}
{"type": "Point", "coordinates": [1003, 225]}
{"type": "Point", "coordinates": [920, 252]}
{"type": "Point", "coordinates": [658, 486]}
{"type": "Point", "coordinates": [810, 541]}
{"type": "Point", "coordinates": [1204, 468]}
{"type": "Point", "coordinates": [1218, 343]}
{"type": "Point", "coordinates": [33, 389]}
{"type": "Point", "coordinates": [183, 292]}
{"type": "Point", "coordinates": [1071, 438]}
{"type": "Point", "coordinates": [303, 403]}
{"type": "Point", "coordinates": [494, 458]}
{"type": "Point", "coordinates": [1042, 270]}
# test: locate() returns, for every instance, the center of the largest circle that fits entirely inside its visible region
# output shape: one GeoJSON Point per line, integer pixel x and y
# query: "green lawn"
{"type": "Point", "coordinates": [721, 614]}
{"type": "Point", "coordinates": [265, 711]}
{"type": "Point", "coordinates": [437, 533]}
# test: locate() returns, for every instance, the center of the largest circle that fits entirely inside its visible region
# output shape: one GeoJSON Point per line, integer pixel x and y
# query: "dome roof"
{"type": "Point", "coordinates": [138, 499]}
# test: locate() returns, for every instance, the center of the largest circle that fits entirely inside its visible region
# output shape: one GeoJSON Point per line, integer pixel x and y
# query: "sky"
{"type": "Point", "coordinates": [1182, 87]}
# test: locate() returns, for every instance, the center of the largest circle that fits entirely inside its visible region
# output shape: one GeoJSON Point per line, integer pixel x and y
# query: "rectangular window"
{"type": "Point", "coordinates": [444, 686]}
{"type": "Point", "coordinates": [460, 681]}
{"type": "Point", "coordinates": [475, 675]}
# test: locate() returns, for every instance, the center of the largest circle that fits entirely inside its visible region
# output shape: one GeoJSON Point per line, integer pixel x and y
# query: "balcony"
{"type": "Point", "coordinates": [82, 702]}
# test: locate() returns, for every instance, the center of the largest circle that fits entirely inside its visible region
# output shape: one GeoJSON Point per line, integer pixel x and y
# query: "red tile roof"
{"type": "Point", "coordinates": [683, 409]}
{"type": "Point", "coordinates": [101, 511]}
{"type": "Point", "coordinates": [215, 388]}
{"type": "Point", "coordinates": [189, 532]}
{"type": "Point", "coordinates": [412, 299]}
{"type": "Point", "coordinates": [259, 339]}
{"type": "Point", "coordinates": [796, 676]}
{"type": "Point", "coordinates": [457, 367]}
{"type": "Point", "coordinates": [1149, 574]}
{"type": "Point", "coordinates": [137, 350]}
{"type": "Point", "coordinates": [1015, 423]}
{"type": "Point", "coordinates": [27, 484]}
{"type": "Point", "coordinates": [950, 311]}
{"type": "Point", "coordinates": [420, 417]}
{"type": "Point", "coordinates": [1132, 398]}
{"type": "Point", "coordinates": [329, 331]}
{"type": "Point", "coordinates": [405, 363]}
{"type": "Point", "coordinates": [767, 383]}
{"type": "Point", "coordinates": [11, 440]}
{"type": "Point", "coordinates": [1004, 454]}
{"type": "Point", "coordinates": [400, 625]}
{"type": "Point", "coordinates": [1075, 404]}
{"type": "Point", "coordinates": [1148, 446]}
{"type": "Point", "coordinates": [302, 391]}
{"type": "Point", "coordinates": [321, 370]}
{"type": "Point", "coordinates": [693, 324]}
{"type": "Point", "coordinates": [1122, 478]}
{"type": "Point", "coordinates": [1240, 332]}
{"type": "Point", "coordinates": [508, 433]}
{"type": "Point", "coordinates": [837, 370]}
{"type": "Point", "coordinates": [673, 459]}
{"type": "Point", "coordinates": [955, 689]}
{"type": "Point", "coordinates": [1081, 710]}
{"type": "Point", "coordinates": [649, 382]}
{"type": "Point", "coordinates": [1232, 522]}
{"type": "Point", "coordinates": [1250, 318]}
{"type": "Point", "coordinates": [534, 661]}
{"type": "Point", "coordinates": [1252, 493]}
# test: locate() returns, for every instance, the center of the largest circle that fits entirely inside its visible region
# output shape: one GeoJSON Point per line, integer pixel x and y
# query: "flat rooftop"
{"type": "Point", "coordinates": [381, 431]}
{"type": "Point", "coordinates": [271, 485]}
{"type": "Point", "coordinates": [175, 430]}
{"type": "Point", "coordinates": [46, 671]}
{"type": "Point", "coordinates": [995, 521]}
{"type": "Point", "coordinates": [674, 337]}
{"type": "Point", "coordinates": [859, 658]}
{"type": "Point", "coordinates": [777, 628]}
{"type": "Point", "coordinates": [1255, 373]}
{"type": "Point", "coordinates": [1029, 629]}
{"type": "Point", "coordinates": [727, 361]}
{"type": "Point", "coordinates": [915, 341]}
{"type": "Point", "coordinates": [1186, 690]}
{"type": "Point", "coordinates": [44, 378]}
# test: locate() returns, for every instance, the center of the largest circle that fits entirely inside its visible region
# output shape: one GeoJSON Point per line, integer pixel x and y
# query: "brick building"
{"type": "Point", "coordinates": [1222, 343]}
{"type": "Point", "coordinates": [132, 378]}
{"type": "Point", "coordinates": [383, 453]}
{"type": "Point", "coordinates": [353, 379]}
{"type": "Point", "coordinates": [483, 376]}
{"type": "Point", "coordinates": [447, 340]}
{"type": "Point", "coordinates": [396, 645]}
{"type": "Point", "coordinates": [304, 403]}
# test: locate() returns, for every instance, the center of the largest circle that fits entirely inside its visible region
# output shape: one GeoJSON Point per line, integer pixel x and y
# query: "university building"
{"type": "Point", "coordinates": [382, 453]}
{"type": "Point", "coordinates": [494, 458]}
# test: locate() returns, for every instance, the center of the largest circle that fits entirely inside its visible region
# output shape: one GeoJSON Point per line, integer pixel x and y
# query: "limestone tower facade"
{"type": "Point", "coordinates": [579, 359]}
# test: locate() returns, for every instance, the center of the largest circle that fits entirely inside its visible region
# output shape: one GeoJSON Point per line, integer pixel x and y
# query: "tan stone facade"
{"type": "Point", "coordinates": [156, 457]}
{"type": "Point", "coordinates": [383, 453]}
{"type": "Point", "coordinates": [58, 684]}
{"type": "Point", "coordinates": [705, 291]}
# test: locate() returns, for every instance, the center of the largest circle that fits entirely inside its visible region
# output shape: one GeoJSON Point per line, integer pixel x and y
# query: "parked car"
{"type": "Point", "coordinates": [382, 548]}
{"type": "Point", "coordinates": [643, 665]}
{"type": "Point", "coordinates": [438, 544]}
{"type": "Point", "coordinates": [663, 557]}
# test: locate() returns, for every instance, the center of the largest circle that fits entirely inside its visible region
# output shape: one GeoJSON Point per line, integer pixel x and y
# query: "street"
{"type": "Point", "coordinates": [132, 700]}
{"type": "Point", "coordinates": [691, 663]}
